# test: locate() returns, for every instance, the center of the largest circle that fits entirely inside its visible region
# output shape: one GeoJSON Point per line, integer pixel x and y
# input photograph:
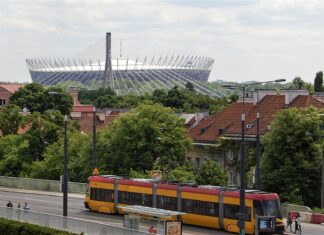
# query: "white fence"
{"type": "Point", "coordinates": [65, 223]}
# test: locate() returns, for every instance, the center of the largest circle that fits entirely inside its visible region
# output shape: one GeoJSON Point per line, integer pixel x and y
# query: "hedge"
{"type": "Point", "coordinates": [10, 227]}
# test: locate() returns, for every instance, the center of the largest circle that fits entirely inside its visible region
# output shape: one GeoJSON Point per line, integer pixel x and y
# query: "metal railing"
{"type": "Point", "coordinates": [285, 208]}
{"type": "Point", "coordinates": [65, 223]}
{"type": "Point", "coordinates": [41, 184]}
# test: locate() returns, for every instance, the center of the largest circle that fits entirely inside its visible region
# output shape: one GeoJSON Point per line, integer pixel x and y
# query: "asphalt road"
{"type": "Point", "coordinates": [52, 203]}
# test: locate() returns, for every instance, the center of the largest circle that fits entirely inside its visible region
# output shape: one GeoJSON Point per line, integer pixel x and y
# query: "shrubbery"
{"type": "Point", "coordinates": [10, 227]}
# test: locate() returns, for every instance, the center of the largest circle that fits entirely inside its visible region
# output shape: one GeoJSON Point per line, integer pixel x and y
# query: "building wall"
{"type": "Point", "coordinates": [226, 159]}
{"type": "Point", "coordinates": [4, 96]}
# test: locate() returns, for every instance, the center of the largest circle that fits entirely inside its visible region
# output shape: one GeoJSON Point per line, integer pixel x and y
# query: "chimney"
{"type": "Point", "coordinates": [74, 93]}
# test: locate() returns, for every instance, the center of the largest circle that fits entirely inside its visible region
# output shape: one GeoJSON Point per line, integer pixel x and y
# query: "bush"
{"type": "Point", "coordinates": [318, 210]}
{"type": "Point", "coordinates": [10, 227]}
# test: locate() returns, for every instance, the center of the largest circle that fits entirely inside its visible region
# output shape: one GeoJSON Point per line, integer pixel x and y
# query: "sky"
{"type": "Point", "coordinates": [250, 40]}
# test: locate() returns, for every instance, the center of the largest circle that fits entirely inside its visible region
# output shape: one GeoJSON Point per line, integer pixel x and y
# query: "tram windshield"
{"type": "Point", "coordinates": [267, 208]}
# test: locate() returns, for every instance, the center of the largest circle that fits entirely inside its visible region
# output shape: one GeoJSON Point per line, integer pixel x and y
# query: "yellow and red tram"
{"type": "Point", "coordinates": [208, 206]}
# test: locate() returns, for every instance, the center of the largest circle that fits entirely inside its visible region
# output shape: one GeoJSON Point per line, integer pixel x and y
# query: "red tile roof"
{"type": "Point", "coordinates": [83, 108]}
{"type": "Point", "coordinates": [12, 88]}
{"type": "Point", "coordinates": [227, 122]}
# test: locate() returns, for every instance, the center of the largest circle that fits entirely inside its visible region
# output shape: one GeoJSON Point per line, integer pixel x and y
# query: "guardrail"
{"type": "Point", "coordinates": [285, 208]}
{"type": "Point", "coordinates": [41, 184]}
{"type": "Point", "coordinates": [65, 223]}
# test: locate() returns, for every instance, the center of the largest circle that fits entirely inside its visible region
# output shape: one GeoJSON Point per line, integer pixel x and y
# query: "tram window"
{"type": "Point", "coordinates": [200, 207]}
{"type": "Point", "coordinates": [232, 212]}
{"type": "Point", "coordinates": [131, 198]}
{"type": "Point", "coordinates": [99, 194]}
{"type": "Point", "coordinates": [167, 203]}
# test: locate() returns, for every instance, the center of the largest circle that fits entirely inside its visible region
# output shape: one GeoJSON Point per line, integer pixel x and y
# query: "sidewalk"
{"type": "Point", "coordinates": [58, 194]}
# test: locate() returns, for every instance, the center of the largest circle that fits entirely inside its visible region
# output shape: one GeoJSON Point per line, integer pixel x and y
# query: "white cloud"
{"type": "Point", "coordinates": [250, 39]}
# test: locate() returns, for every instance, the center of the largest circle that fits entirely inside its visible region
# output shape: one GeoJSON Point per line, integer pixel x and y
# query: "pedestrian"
{"type": "Point", "coordinates": [298, 223]}
{"type": "Point", "coordinates": [289, 222]}
{"type": "Point", "coordinates": [9, 204]}
{"type": "Point", "coordinates": [18, 206]}
{"type": "Point", "coordinates": [26, 207]}
{"type": "Point", "coordinates": [152, 230]}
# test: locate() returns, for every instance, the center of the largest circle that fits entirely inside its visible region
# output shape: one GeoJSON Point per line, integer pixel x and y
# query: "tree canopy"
{"type": "Point", "coordinates": [211, 173]}
{"type": "Point", "coordinates": [318, 82]}
{"type": "Point", "coordinates": [143, 135]}
{"type": "Point", "coordinates": [10, 119]}
{"type": "Point", "coordinates": [35, 97]}
{"type": "Point", "coordinates": [182, 100]}
{"type": "Point", "coordinates": [291, 160]}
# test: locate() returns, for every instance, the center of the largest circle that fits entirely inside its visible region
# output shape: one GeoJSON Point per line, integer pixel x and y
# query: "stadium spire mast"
{"type": "Point", "coordinates": [108, 67]}
{"type": "Point", "coordinates": [120, 49]}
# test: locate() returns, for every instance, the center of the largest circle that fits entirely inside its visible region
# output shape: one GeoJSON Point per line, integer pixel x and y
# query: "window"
{"type": "Point", "coordinates": [199, 207]}
{"type": "Point", "coordinates": [167, 203]}
{"type": "Point", "coordinates": [233, 211]}
{"type": "Point", "coordinates": [2, 102]}
{"type": "Point", "coordinates": [267, 208]}
{"type": "Point", "coordinates": [99, 194]}
{"type": "Point", "coordinates": [131, 198]}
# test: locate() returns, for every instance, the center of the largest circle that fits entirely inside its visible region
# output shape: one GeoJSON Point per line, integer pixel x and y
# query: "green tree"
{"type": "Point", "coordinates": [190, 86]}
{"type": "Point", "coordinates": [176, 98]}
{"type": "Point", "coordinates": [12, 154]}
{"type": "Point", "coordinates": [211, 173]}
{"type": "Point", "coordinates": [35, 97]}
{"type": "Point", "coordinates": [291, 161]}
{"type": "Point", "coordinates": [159, 96]}
{"type": "Point", "coordinates": [10, 119]}
{"type": "Point", "coordinates": [298, 83]}
{"type": "Point", "coordinates": [79, 154]}
{"type": "Point", "coordinates": [183, 173]}
{"type": "Point", "coordinates": [45, 130]}
{"type": "Point", "coordinates": [318, 82]}
{"type": "Point", "coordinates": [233, 98]}
{"type": "Point", "coordinates": [144, 134]}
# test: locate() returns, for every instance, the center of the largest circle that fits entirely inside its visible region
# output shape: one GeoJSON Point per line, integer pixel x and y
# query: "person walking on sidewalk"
{"type": "Point", "coordinates": [289, 222]}
{"type": "Point", "coordinates": [298, 223]}
{"type": "Point", "coordinates": [26, 207]}
{"type": "Point", "coordinates": [9, 204]}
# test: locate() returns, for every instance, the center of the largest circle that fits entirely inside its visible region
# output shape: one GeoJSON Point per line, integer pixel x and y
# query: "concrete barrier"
{"type": "Point", "coordinates": [313, 218]}
{"type": "Point", "coordinates": [317, 218]}
{"type": "Point", "coordinates": [306, 217]}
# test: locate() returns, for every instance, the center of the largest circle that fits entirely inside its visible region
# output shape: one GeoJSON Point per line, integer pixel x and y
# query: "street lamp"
{"type": "Point", "coordinates": [241, 222]}
{"type": "Point", "coordinates": [65, 173]}
{"type": "Point", "coordinates": [94, 137]}
{"type": "Point", "coordinates": [94, 152]}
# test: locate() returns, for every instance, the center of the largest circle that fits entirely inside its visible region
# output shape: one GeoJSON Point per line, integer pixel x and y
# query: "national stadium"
{"type": "Point", "coordinates": [124, 75]}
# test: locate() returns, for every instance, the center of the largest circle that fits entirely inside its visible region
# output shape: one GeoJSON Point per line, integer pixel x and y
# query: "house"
{"type": "Point", "coordinates": [84, 114]}
{"type": "Point", "coordinates": [192, 119]}
{"type": "Point", "coordinates": [6, 90]}
{"type": "Point", "coordinates": [226, 126]}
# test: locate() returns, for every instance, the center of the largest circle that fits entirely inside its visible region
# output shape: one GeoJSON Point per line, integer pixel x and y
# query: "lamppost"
{"type": "Point", "coordinates": [94, 136]}
{"type": "Point", "coordinates": [94, 152]}
{"type": "Point", "coordinates": [241, 222]}
{"type": "Point", "coordinates": [65, 173]}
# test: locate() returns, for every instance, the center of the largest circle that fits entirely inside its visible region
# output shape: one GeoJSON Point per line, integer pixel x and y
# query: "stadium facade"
{"type": "Point", "coordinates": [125, 75]}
